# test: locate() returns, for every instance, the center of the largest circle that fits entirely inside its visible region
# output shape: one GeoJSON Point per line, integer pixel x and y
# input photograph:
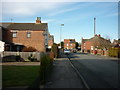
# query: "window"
{"type": "Point", "coordinates": [67, 44]}
{"type": "Point", "coordinates": [28, 34]}
{"type": "Point", "coordinates": [14, 34]}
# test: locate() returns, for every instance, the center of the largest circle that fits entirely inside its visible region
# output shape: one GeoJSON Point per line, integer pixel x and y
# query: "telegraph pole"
{"type": "Point", "coordinates": [94, 26]}
{"type": "Point", "coordinates": [60, 34]}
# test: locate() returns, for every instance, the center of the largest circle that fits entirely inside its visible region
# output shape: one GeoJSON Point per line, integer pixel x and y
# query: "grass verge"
{"type": "Point", "coordinates": [19, 75]}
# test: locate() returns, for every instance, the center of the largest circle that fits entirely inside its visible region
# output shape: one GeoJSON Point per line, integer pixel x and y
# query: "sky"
{"type": "Point", "coordinates": [77, 17]}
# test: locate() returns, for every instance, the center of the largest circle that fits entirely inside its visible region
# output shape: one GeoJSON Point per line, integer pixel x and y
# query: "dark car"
{"type": "Point", "coordinates": [74, 51]}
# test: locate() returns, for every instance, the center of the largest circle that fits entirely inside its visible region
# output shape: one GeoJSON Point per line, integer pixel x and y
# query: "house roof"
{"type": "Point", "coordinates": [83, 40]}
{"type": "Point", "coordinates": [25, 26]}
{"type": "Point", "coordinates": [98, 38]}
{"type": "Point", "coordinates": [4, 25]}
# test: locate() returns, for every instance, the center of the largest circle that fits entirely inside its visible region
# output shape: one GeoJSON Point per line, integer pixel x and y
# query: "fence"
{"type": "Point", "coordinates": [11, 56]}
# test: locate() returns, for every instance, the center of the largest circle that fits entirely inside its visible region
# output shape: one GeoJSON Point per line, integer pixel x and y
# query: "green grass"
{"type": "Point", "coordinates": [19, 75]}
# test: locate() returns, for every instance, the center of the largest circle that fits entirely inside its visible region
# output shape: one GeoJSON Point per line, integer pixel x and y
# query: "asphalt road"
{"type": "Point", "coordinates": [98, 71]}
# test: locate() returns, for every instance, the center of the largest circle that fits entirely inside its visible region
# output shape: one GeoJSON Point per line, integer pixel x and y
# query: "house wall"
{"type": "Point", "coordinates": [36, 40]}
{"type": "Point", "coordinates": [68, 44]}
{"type": "Point", "coordinates": [0, 33]}
{"type": "Point", "coordinates": [86, 46]}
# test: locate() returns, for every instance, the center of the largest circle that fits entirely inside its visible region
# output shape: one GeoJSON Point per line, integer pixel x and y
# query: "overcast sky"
{"type": "Point", "coordinates": [77, 16]}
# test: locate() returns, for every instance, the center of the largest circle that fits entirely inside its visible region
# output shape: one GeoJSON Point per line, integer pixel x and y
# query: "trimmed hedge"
{"type": "Point", "coordinates": [46, 62]}
{"type": "Point", "coordinates": [55, 50]}
{"type": "Point", "coordinates": [114, 52]}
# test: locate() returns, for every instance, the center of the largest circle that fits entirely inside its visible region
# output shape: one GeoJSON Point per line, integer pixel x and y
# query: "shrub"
{"type": "Point", "coordinates": [32, 58]}
{"type": "Point", "coordinates": [29, 49]}
{"type": "Point", "coordinates": [55, 50]}
{"type": "Point", "coordinates": [18, 58]}
{"type": "Point", "coordinates": [114, 52]}
{"type": "Point", "coordinates": [46, 62]}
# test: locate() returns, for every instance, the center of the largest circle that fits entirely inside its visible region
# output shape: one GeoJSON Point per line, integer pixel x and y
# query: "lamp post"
{"type": "Point", "coordinates": [60, 34]}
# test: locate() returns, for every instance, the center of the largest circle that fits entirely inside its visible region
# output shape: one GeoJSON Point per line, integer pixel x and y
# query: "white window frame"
{"type": "Point", "coordinates": [28, 34]}
{"type": "Point", "coordinates": [14, 34]}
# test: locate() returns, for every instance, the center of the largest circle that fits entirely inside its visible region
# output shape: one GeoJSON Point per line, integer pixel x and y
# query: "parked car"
{"type": "Point", "coordinates": [66, 51]}
{"type": "Point", "coordinates": [74, 51]}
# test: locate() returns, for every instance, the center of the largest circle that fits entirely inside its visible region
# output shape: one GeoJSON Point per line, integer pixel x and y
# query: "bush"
{"type": "Point", "coordinates": [32, 58]}
{"type": "Point", "coordinates": [18, 58]}
{"type": "Point", "coordinates": [55, 50]}
{"type": "Point", "coordinates": [46, 62]}
{"type": "Point", "coordinates": [29, 49]}
{"type": "Point", "coordinates": [114, 52]}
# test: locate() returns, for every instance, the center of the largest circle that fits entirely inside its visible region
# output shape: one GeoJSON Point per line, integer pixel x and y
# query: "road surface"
{"type": "Point", "coordinates": [97, 71]}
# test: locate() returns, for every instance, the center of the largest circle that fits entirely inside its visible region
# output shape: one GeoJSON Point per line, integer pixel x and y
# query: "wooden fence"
{"type": "Point", "coordinates": [11, 56]}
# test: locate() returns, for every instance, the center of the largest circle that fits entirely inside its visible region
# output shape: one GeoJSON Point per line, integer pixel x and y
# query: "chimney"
{"type": "Point", "coordinates": [38, 20]}
{"type": "Point", "coordinates": [99, 35]}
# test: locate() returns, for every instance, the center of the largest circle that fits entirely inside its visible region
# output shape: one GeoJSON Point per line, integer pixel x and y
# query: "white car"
{"type": "Point", "coordinates": [66, 51]}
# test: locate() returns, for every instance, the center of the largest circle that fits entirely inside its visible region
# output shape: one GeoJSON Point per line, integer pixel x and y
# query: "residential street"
{"type": "Point", "coordinates": [97, 71]}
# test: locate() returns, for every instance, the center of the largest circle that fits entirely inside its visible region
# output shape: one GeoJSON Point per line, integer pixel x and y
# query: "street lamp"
{"type": "Point", "coordinates": [60, 34]}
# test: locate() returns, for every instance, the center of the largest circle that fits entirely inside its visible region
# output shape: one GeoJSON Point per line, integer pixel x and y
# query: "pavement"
{"type": "Point", "coordinates": [63, 75]}
{"type": "Point", "coordinates": [21, 63]}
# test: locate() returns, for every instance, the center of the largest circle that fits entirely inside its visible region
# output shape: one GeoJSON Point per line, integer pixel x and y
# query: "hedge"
{"type": "Point", "coordinates": [114, 52]}
{"type": "Point", "coordinates": [46, 62]}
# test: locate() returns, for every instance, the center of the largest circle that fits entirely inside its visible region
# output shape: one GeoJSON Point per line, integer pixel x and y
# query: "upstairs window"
{"type": "Point", "coordinates": [28, 34]}
{"type": "Point", "coordinates": [14, 34]}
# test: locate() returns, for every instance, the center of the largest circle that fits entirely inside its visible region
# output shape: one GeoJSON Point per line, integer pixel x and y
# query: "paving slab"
{"type": "Point", "coordinates": [63, 76]}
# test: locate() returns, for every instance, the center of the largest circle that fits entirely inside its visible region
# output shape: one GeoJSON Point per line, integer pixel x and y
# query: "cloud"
{"type": "Point", "coordinates": [70, 9]}
{"type": "Point", "coordinates": [27, 9]}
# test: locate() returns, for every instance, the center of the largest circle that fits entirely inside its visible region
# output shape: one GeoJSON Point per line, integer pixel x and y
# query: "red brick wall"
{"type": "Point", "coordinates": [88, 45]}
{"type": "Point", "coordinates": [36, 40]}
{"type": "Point", "coordinates": [70, 45]}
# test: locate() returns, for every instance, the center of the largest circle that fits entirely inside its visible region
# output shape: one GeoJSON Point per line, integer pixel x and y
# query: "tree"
{"type": "Point", "coordinates": [62, 44]}
{"type": "Point", "coordinates": [76, 45]}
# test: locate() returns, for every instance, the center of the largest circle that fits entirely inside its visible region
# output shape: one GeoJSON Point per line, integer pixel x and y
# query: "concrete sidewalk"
{"type": "Point", "coordinates": [63, 75]}
{"type": "Point", "coordinates": [21, 63]}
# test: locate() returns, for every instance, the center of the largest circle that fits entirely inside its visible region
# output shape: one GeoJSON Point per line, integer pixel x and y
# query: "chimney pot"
{"type": "Point", "coordinates": [38, 20]}
{"type": "Point", "coordinates": [99, 35]}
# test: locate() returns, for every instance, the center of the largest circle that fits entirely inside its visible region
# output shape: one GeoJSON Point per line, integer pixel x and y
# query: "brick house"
{"type": "Point", "coordinates": [95, 45]}
{"type": "Point", "coordinates": [116, 43]}
{"type": "Point", "coordinates": [19, 35]}
{"type": "Point", "coordinates": [50, 41]}
{"type": "Point", "coordinates": [69, 44]}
